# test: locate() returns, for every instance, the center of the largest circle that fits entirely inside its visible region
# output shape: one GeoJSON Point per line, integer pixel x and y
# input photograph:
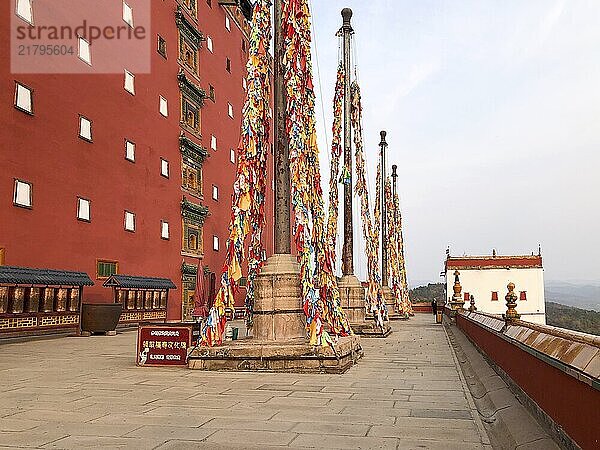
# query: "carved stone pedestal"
{"type": "Point", "coordinates": [390, 303]}
{"type": "Point", "coordinates": [279, 341]}
{"type": "Point", "coordinates": [368, 329]}
{"type": "Point", "coordinates": [352, 295]}
{"type": "Point", "coordinates": [294, 355]}
{"type": "Point", "coordinates": [278, 313]}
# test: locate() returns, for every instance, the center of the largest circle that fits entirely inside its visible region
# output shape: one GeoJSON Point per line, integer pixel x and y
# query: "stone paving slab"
{"type": "Point", "coordinates": [86, 392]}
{"type": "Point", "coordinates": [425, 433]}
{"type": "Point", "coordinates": [76, 442]}
{"type": "Point", "coordinates": [343, 442]}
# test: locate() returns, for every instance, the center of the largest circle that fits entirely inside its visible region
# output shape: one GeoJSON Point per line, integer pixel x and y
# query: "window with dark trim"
{"type": "Point", "coordinates": [129, 222]}
{"type": "Point", "coordinates": [25, 11]}
{"type": "Point", "coordinates": [85, 128]}
{"type": "Point", "coordinates": [164, 168]}
{"type": "Point", "coordinates": [106, 268]}
{"type": "Point", "coordinates": [191, 179]}
{"type": "Point", "coordinates": [84, 212]}
{"type": "Point", "coordinates": [494, 296]}
{"type": "Point", "coordinates": [192, 238]}
{"type": "Point", "coordinates": [188, 51]}
{"type": "Point", "coordinates": [228, 65]}
{"type": "Point", "coordinates": [523, 295]}
{"type": "Point", "coordinates": [129, 150]}
{"type": "Point", "coordinates": [23, 194]}
{"type": "Point", "coordinates": [164, 230]}
{"type": "Point", "coordinates": [190, 6]}
{"type": "Point", "coordinates": [190, 114]}
{"type": "Point", "coordinates": [162, 46]}
{"type": "Point", "coordinates": [24, 98]}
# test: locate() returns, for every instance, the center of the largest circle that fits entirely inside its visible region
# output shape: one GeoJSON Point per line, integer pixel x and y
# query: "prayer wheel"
{"type": "Point", "coordinates": [74, 299]}
{"type": "Point", "coordinates": [18, 300]}
{"type": "Point", "coordinates": [130, 299]}
{"type": "Point", "coordinates": [139, 300]}
{"type": "Point", "coordinates": [3, 299]}
{"type": "Point", "coordinates": [33, 304]}
{"type": "Point", "coordinates": [121, 297]}
{"type": "Point", "coordinates": [156, 300]}
{"type": "Point", "coordinates": [61, 299]}
{"type": "Point", "coordinates": [148, 295]}
{"type": "Point", "coordinates": [163, 299]}
{"type": "Point", "coordinates": [48, 303]}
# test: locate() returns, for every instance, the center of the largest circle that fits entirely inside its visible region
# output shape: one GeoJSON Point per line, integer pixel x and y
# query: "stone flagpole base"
{"type": "Point", "coordinates": [279, 341]}
{"type": "Point", "coordinates": [391, 307]}
{"type": "Point", "coordinates": [352, 295]}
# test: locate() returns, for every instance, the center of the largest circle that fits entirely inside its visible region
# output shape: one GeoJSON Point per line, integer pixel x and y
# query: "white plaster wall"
{"type": "Point", "coordinates": [481, 283]}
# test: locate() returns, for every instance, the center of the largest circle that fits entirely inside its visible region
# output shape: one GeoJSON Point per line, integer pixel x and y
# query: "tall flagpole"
{"type": "Point", "coordinates": [282, 157]}
{"type": "Point", "coordinates": [348, 249]}
{"type": "Point", "coordinates": [384, 256]}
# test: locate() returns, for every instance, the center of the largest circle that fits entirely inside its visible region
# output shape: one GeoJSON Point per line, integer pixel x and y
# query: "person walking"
{"type": "Point", "coordinates": [434, 307]}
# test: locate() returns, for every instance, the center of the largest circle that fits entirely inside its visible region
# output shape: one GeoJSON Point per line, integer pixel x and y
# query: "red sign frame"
{"type": "Point", "coordinates": [163, 344]}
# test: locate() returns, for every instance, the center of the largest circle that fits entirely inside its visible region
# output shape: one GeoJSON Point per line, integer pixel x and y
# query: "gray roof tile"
{"type": "Point", "coordinates": [135, 282]}
{"type": "Point", "coordinates": [46, 277]}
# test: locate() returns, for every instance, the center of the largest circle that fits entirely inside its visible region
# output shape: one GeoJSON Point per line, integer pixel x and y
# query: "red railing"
{"type": "Point", "coordinates": [558, 369]}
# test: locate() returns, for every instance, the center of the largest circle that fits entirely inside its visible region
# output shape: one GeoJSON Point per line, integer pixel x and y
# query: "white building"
{"type": "Point", "coordinates": [485, 278]}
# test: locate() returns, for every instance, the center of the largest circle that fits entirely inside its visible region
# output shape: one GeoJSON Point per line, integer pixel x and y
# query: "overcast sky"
{"type": "Point", "coordinates": [492, 110]}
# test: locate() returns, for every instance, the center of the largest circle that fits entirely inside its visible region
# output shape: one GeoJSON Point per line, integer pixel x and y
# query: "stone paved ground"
{"type": "Point", "coordinates": [74, 393]}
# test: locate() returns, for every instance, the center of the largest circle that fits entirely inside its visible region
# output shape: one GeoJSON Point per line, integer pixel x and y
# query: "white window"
{"type": "Point", "coordinates": [164, 167]}
{"type": "Point", "coordinates": [164, 229]}
{"type": "Point", "coordinates": [232, 155]}
{"type": "Point", "coordinates": [213, 142]}
{"type": "Point", "coordinates": [22, 195]}
{"type": "Point", "coordinates": [230, 110]}
{"type": "Point", "coordinates": [227, 23]}
{"type": "Point", "coordinates": [216, 243]}
{"type": "Point", "coordinates": [209, 44]}
{"type": "Point", "coordinates": [164, 108]}
{"type": "Point", "coordinates": [129, 221]}
{"type": "Point", "coordinates": [85, 128]}
{"type": "Point", "coordinates": [84, 51]}
{"type": "Point", "coordinates": [83, 209]}
{"type": "Point", "coordinates": [128, 14]}
{"type": "Point", "coordinates": [129, 82]}
{"type": "Point", "coordinates": [25, 11]}
{"type": "Point", "coordinates": [23, 100]}
{"type": "Point", "coordinates": [129, 150]}
{"type": "Point", "coordinates": [215, 192]}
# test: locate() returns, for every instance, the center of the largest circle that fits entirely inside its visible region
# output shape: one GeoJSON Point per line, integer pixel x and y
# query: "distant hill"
{"type": "Point", "coordinates": [585, 295]}
{"type": "Point", "coordinates": [572, 318]}
{"type": "Point", "coordinates": [427, 293]}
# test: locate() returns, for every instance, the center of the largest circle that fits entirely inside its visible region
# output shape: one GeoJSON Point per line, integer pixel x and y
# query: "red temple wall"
{"type": "Point", "coordinates": [45, 149]}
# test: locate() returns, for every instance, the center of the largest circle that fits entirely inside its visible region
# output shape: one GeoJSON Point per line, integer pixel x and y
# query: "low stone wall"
{"type": "Point", "coordinates": [422, 307]}
{"type": "Point", "coordinates": [559, 370]}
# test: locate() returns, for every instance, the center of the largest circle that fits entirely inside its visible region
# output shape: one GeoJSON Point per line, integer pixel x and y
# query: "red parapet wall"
{"type": "Point", "coordinates": [570, 402]}
{"type": "Point", "coordinates": [422, 308]}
